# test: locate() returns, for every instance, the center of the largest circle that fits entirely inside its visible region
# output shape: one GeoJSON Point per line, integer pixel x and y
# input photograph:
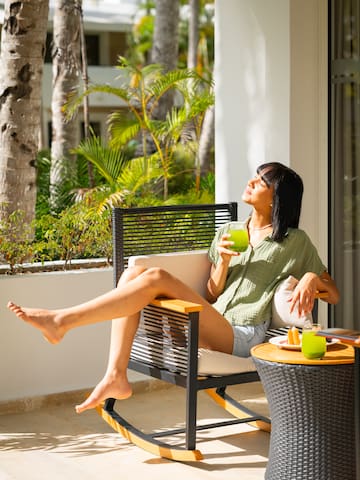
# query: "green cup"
{"type": "Point", "coordinates": [312, 346]}
{"type": "Point", "coordinates": [239, 235]}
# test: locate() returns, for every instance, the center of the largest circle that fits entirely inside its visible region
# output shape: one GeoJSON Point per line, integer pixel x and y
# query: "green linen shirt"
{"type": "Point", "coordinates": [254, 275]}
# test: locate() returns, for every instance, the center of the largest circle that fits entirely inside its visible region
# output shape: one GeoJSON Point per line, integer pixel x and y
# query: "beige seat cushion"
{"type": "Point", "coordinates": [212, 363]}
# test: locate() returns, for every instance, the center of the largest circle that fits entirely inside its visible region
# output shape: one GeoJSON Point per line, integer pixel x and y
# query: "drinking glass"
{"type": "Point", "coordinates": [312, 346]}
{"type": "Point", "coordinates": [239, 235]}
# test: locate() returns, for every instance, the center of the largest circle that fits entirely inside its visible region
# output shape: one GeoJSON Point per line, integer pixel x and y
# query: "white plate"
{"type": "Point", "coordinates": [281, 342]}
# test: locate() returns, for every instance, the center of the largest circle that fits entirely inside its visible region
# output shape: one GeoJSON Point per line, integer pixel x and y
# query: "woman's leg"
{"type": "Point", "coordinates": [115, 382]}
{"type": "Point", "coordinates": [128, 300]}
{"type": "Point", "coordinates": [124, 303]}
{"type": "Point", "coordinates": [214, 332]}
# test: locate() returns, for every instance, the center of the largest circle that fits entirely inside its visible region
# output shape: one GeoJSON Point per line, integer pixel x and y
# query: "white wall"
{"type": "Point", "coordinates": [271, 100]}
{"type": "Point", "coordinates": [252, 81]}
{"type": "Point", "coordinates": [30, 366]}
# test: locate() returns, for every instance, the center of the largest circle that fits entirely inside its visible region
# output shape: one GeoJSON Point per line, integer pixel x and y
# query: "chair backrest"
{"type": "Point", "coordinates": [165, 229]}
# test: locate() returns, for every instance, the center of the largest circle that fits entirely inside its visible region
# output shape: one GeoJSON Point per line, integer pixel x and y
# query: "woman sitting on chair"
{"type": "Point", "coordinates": [237, 312]}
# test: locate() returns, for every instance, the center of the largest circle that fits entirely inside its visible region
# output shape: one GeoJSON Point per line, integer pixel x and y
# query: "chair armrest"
{"type": "Point", "coordinates": [320, 294]}
{"type": "Point", "coordinates": [177, 305]}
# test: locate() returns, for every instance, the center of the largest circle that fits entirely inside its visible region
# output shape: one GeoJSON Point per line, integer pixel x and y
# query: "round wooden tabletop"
{"type": "Point", "coordinates": [336, 354]}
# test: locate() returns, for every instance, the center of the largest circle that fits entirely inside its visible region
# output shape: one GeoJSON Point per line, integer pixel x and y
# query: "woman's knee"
{"type": "Point", "coordinates": [130, 273]}
{"type": "Point", "coordinates": [157, 276]}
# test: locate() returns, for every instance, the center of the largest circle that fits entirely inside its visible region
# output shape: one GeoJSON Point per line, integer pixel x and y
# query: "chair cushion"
{"type": "Point", "coordinates": [281, 316]}
{"type": "Point", "coordinates": [192, 267]}
{"type": "Point", "coordinates": [212, 363]}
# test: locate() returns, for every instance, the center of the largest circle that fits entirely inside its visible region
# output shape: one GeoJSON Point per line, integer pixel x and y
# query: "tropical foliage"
{"type": "Point", "coordinates": [146, 159]}
{"type": "Point", "coordinates": [157, 142]}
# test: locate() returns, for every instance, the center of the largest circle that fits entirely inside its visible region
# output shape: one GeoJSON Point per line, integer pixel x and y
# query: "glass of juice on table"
{"type": "Point", "coordinates": [312, 346]}
{"type": "Point", "coordinates": [239, 235]}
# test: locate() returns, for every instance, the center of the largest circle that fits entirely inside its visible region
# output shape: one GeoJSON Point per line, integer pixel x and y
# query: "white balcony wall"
{"type": "Point", "coordinates": [30, 366]}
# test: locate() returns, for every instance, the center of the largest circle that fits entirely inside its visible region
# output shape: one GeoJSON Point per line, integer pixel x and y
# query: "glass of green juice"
{"type": "Point", "coordinates": [312, 346]}
{"type": "Point", "coordinates": [239, 235]}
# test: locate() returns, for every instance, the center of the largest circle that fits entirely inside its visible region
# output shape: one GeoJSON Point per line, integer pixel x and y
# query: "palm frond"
{"type": "Point", "coordinates": [139, 172]}
{"type": "Point", "coordinates": [200, 103]}
{"type": "Point", "coordinates": [75, 100]}
{"type": "Point", "coordinates": [172, 126]}
{"type": "Point", "coordinates": [133, 179]}
{"type": "Point", "coordinates": [109, 162]}
{"type": "Point", "coordinates": [113, 199]}
{"type": "Point", "coordinates": [123, 128]}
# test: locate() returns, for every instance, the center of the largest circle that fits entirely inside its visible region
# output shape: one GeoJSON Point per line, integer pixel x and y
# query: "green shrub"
{"type": "Point", "coordinates": [77, 232]}
{"type": "Point", "coordinates": [15, 240]}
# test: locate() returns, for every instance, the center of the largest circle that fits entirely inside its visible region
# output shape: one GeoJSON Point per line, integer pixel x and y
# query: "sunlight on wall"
{"type": "Point", "coordinates": [252, 62]}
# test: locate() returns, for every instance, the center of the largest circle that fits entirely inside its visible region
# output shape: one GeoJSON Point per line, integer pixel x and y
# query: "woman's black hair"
{"type": "Point", "coordinates": [287, 197]}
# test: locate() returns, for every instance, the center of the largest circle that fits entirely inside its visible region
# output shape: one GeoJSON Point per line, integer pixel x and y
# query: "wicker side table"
{"type": "Point", "coordinates": [312, 417]}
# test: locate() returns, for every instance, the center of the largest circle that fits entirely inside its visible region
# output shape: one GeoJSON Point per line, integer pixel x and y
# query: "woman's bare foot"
{"type": "Point", "coordinates": [44, 320]}
{"type": "Point", "coordinates": [109, 387]}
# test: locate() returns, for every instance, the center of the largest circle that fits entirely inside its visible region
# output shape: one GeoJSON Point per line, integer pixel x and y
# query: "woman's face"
{"type": "Point", "coordinates": [257, 193]}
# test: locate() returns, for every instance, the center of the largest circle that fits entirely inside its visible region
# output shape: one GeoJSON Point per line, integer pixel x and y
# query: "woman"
{"type": "Point", "coordinates": [237, 312]}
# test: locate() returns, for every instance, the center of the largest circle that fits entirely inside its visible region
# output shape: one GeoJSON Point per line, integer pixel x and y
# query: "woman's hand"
{"type": "Point", "coordinates": [304, 294]}
{"type": "Point", "coordinates": [224, 248]}
{"type": "Point", "coordinates": [306, 290]}
{"type": "Point", "coordinates": [218, 274]}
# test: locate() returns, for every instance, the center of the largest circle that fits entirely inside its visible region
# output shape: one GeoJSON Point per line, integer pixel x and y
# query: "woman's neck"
{"type": "Point", "coordinates": [259, 222]}
{"type": "Point", "coordinates": [259, 228]}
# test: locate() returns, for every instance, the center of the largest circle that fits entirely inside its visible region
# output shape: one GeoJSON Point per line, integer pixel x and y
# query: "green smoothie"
{"type": "Point", "coordinates": [240, 239]}
{"type": "Point", "coordinates": [312, 346]}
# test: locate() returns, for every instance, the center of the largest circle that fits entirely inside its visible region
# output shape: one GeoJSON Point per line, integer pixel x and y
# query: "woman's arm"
{"type": "Point", "coordinates": [309, 285]}
{"type": "Point", "coordinates": [218, 273]}
{"type": "Point", "coordinates": [216, 282]}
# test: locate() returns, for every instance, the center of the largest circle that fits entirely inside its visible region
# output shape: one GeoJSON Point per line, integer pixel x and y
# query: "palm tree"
{"type": "Point", "coordinates": [124, 179]}
{"type": "Point", "coordinates": [165, 46]}
{"type": "Point", "coordinates": [66, 68]}
{"type": "Point", "coordinates": [193, 33]}
{"type": "Point", "coordinates": [198, 58]}
{"type": "Point", "coordinates": [141, 90]}
{"type": "Point", "coordinates": [21, 67]}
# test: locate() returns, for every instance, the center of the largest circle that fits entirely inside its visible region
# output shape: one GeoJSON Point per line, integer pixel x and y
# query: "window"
{"type": "Point", "coordinates": [92, 49]}
{"type": "Point", "coordinates": [344, 46]}
{"type": "Point", "coordinates": [95, 126]}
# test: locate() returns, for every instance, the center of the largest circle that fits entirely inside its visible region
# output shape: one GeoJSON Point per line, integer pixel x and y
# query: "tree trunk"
{"type": "Point", "coordinates": [165, 52]}
{"type": "Point", "coordinates": [85, 79]}
{"type": "Point", "coordinates": [193, 33]}
{"type": "Point", "coordinates": [206, 142]}
{"type": "Point", "coordinates": [66, 79]}
{"type": "Point", "coordinates": [166, 45]}
{"type": "Point", "coordinates": [21, 67]}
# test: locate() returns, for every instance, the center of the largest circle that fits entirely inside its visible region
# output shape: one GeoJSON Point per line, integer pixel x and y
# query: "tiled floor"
{"type": "Point", "coordinates": [54, 443]}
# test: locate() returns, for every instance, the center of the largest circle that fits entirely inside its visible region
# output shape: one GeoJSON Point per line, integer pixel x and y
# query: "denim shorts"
{"type": "Point", "coordinates": [247, 336]}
